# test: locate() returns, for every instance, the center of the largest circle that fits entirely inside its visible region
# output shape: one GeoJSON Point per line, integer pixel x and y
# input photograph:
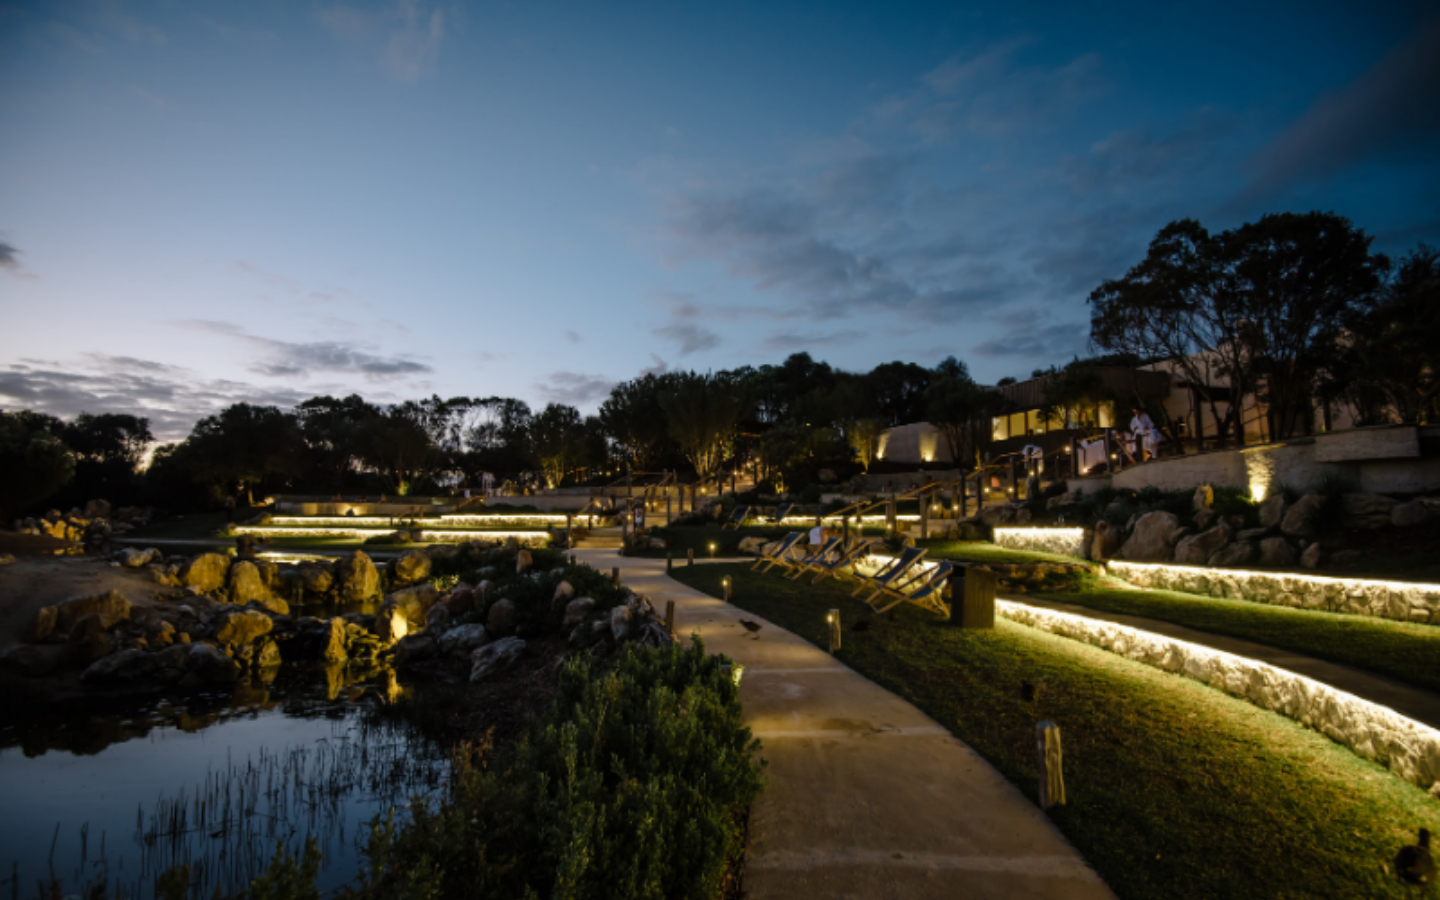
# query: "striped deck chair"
{"type": "Point", "coordinates": [927, 590]}
{"type": "Point", "coordinates": [738, 517]}
{"type": "Point", "coordinates": [781, 512]}
{"type": "Point", "coordinates": [791, 566]}
{"type": "Point", "coordinates": [781, 549]}
{"type": "Point", "coordinates": [892, 573]}
{"type": "Point", "coordinates": [847, 558]}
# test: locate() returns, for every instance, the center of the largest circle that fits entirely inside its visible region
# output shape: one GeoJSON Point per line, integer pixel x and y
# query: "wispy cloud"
{"type": "Point", "coordinates": [407, 37]}
{"type": "Point", "coordinates": [284, 359]}
{"type": "Point", "coordinates": [10, 262]}
{"type": "Point", "coordinates": [574, 388]}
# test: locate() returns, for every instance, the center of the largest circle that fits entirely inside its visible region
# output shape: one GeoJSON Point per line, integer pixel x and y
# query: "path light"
{"type": "Point", "coordinates": [725, 582]}
{"type": "Point", "coordinates": [832, 618]}
{"type": "Point", "coordinates": [712, 549]}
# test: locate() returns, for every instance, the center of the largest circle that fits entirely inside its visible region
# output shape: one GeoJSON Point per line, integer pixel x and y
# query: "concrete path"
{"type": "Point", "coordinates": [1416, 703]}
{"type": "Point", "coordinates": [868, 796]}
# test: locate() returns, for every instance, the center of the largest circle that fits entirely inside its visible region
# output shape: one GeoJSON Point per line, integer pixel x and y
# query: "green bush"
{"type": "Point", "coordinates": [631, 788]}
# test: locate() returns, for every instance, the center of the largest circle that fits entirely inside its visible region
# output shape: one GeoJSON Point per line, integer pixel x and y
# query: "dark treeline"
{"type": "Point", "coordinates": [1295, 310]}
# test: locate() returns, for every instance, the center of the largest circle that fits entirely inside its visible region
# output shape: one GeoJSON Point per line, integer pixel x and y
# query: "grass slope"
{"type": "Point", "coordinates": [985, 552]}
{"type": "Point", "coordinates": [1175, 790]}
{"type": "Point", "coordinates": [1401, 650]}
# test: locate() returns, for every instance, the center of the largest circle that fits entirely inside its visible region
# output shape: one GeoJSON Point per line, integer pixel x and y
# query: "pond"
{"type": "Point", "coordinates": [121, 792]}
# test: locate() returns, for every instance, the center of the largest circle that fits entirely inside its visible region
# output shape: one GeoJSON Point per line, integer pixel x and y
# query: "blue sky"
{"type": "Point", "coordinates": [202, 203]}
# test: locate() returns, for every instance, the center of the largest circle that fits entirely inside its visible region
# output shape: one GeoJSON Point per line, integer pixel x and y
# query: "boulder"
{"type": "Point", "coordinates": [415, 602]}
{"type": "Point", "coordinates": [1205, 518]}
{"type": "Point", "coordinates": [620, 622]}
{"type": "Point", "coordinates": [1234, 555]}
{"type": "Point", "coordinates": [29, 662]}
{"type": "Point", "coordinates": [126, 665]}
{"type": "Point", "coordinates": [462, 640]}
{"type": "Point", "coordinates": [273, 604]}
{"type": "Point", "coordinates": [1023, 516]}
{"type": "Point", "coordinates": [438, 618]}
{"type": "Point", "coordinates": [42, 626]}
{"type": "Point", "coordinates": [7, 559]}
{"type": "Point", "coordinates": [1203, 498]}
{"type": "Point", "coordinates": [501, 618]}
{"type": "Point", "coordinates": [246, 585]}
{"type": "Point", "coordinates": [1310, 558]}
{"type": "Point", "coordinates": [826, 476]}
{"type": "Point", "coordinates": [494, 658]}
{"type": "Point", "coordinates": [206, 665]}
{"type": "Point", "coordinates": [991, 516]}
{"type": "Point", "coordinates": [356, 578]}
{"type": "Point", "coordinates": [1277, 553]}
{"type": "Point", "coordinates": [391, 625]}
{"type": "Point", "coordinates": [1197, 549]}
{"type": "Point", "coordinates": [134, 559]}
{"type": "Point", "coordinates": [1366, 510]}
{"type": "Point", "coordinates": [97, 509]}
{"type": "Point", "coordinates": [110, 607]}
{"type": "Point", "coordinates": [1252, 534]}
{"type": "Point", "coordinates": [1408, 515]}
{"type": "Point", "coordinates": [576, 611]}
{"type": "Point", "coordinates": [1107, 541]}
{"type": "Point", "coordinates": [1272, 510]}
{"type": "Point", "coordinates": [316, 577]}
{"type": "Point", "coordinates": [564, 591]}
{"type": "Point", "coordinates": [87, 641]}
{"type": "Point", "coordinates": [266, 655]}
{"type": "Point", "coordinates": [335, 640]}
{"type": "Point", "coordinates": [206, 572]}
{"type": "Point", "coordinates": [1153, 539]}
{"type": "Point", "coordinates": [412, 567]}
{"type": "Point", "coordinates": [1301, 519]}
{"type": "Point", "coordinates": [460, 600]}
{"type": "Point", "coordinates": [243, 626]}
{"type": "Point", "coordinates": [414, 647]}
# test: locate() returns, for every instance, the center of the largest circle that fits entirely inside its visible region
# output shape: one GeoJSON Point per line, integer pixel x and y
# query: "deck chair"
{"type": "Point", "coordinates": [926, 590]}
{"type": "Point", "coordinates": [781, 512]}
{"type": "Point", "coordinates": [847, 558]}
{"type": "Point", "coordinates": [781, 549]}
{"type": "Point", "coordinates": [738, 517]}
{"type": "Point", "coordinates": [791, 566]}
{"type": "Point", "coordinates": [892, 573]}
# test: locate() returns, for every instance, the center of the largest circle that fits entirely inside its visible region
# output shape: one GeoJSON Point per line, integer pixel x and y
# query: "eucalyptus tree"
{"type": "Point", "coordinates": [702, 412]}
{"type": "Point", "coordinates": [34, 461]}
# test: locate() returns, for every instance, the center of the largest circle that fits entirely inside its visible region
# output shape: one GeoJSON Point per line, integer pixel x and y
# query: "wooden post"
{"type": "Point", "coordinates": [975, 607]}
{"type": "Point", "coordinates": [615, 575]}
{"type": "Point", "coordinates": [570, 531]}
{"type": "Point", "coordinates": [957, 498]}
{"type": "Point", "coordinates": [670, 617]}
{"type": "Point", "coordinates": [628, 492]}
{"type": "Point", "coordinates": [890, 526]}
{"type": "Point", "coordinates": [980, 488]}
{"type": "Point", "coordinates": [690, 557]}
{"type": "Point", "coordinates": [1052, 778]}
{"type": "Point", "coordinates": [667, 506]}
{"type": "Point", "coordinates": [669, 562]}
{"type": "Point", "coordinates": [833, 618]}
{"type": "Point", "coordinates": [924, 516]}
{"type": "Point", "coordinates": [1074, 458]}
{"type": "Point", "coordinates": [1014, 493]}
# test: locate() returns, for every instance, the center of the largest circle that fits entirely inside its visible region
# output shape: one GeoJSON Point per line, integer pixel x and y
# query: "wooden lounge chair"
{"type": "Point", "coordinates": [781, 512]}
{"type": "Point", "coordinates": [791, 566]}
{"type": "Point", "coordinates": [847, 558]}
{"type": "Point", "coordinates": [892, 573]}
{"type": "Point", "coordinates": [781, 549]}
{"type": "Point", "coordinates": [738, 517]}
{"type": "Point", "coordinates": [926, 590]}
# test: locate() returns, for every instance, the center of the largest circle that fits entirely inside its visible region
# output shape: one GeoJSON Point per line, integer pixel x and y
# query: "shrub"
{"type": "Point", "coordinates": [631, 787]}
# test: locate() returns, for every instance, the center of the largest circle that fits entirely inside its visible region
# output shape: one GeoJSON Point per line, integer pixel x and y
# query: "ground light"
{"type": "Point", "coordinates": [712, 549]}
{"type": "Point", "coordinates": [725, 582]}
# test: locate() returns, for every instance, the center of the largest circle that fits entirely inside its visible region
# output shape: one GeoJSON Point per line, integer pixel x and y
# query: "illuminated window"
{"type": "Point", "coordinates": [1107, 415]}
{"type": "Point", "coordinates": [999, 429]}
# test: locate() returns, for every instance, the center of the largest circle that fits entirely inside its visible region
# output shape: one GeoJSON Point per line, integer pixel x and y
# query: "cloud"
{"type": "Point", "coordinates": [415, 50]}
{"type": "Point", "coordinates": [284, 359]}
{"type": "Point", "coordinates": [573, 388]}
{"type": "Point", "coordinates": [660, 367]}
{"type": "Point", "coordinates": [9, 257]}
{"type": "Point", "coordinates": [172, 398]}
{"type": "Point", "coordinates": [1047, 343]}
{"type": "Point", "coordinates": [790, 341]}
{"type": "Point", "coordinates": [1393, 109]}
{"type": "Point", "coordinates": [572, 337]}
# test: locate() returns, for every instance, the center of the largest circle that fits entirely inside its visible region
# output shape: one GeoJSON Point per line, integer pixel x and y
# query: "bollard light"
{"type": "Point", "coordinates": [712, 549]}
{"type": "Point", "coordinates": [726, 583]}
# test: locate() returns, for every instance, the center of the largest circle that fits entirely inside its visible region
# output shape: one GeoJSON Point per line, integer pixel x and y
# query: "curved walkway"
{"type": "Point", "coordinates": [868, 796]}
{"type": "Point", "coordinates": [1415, 703]}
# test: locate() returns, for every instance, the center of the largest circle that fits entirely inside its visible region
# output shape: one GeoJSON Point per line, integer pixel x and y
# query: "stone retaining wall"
{"type": "Point", "coordinates": [1377, 733]}
{"type": "Point", "coordinates": [1065, 541]}
{"type": "Point", "coordinates": [1398, 600]}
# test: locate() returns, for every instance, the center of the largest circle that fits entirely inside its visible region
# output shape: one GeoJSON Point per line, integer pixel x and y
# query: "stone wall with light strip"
{"type": "Point", "coordinates": [450, 536]}
{"type": "Point", "coordinates": [1408, 748]}
{"type": "Point", "coordinates": [1064, 541]}
{"type": "Point", "coordinates": [1400, 600]}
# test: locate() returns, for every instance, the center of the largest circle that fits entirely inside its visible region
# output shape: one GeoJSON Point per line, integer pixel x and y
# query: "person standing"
{"type": "Point", "coordinates": [817, 537]}
{"type": "Point", "coordinates": [1147, 438]}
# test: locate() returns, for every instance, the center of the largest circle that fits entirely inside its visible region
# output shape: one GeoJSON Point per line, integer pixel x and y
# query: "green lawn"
{"type": "Point", "coordinates": [1401, 650]}
{"type": "Point", "coordinates": [985, 552]}
{"type": "Point", "coordinates": [1175, 790]}
{"type": "Point", "coordinates": [680, 538]}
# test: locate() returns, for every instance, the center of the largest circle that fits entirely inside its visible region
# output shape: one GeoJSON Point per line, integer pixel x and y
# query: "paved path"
{"type": "Point", "coordinates": [868, 796]}
{"type": "Point", "coordinates": [1416, 703]}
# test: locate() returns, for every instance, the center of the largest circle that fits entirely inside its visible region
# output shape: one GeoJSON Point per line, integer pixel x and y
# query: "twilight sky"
{"type": "Point", "coordinates": [203, 203]}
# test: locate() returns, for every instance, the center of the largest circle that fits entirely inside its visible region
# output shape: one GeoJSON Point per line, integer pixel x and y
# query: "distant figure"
{"type": "Point", "coordinates": [1145, 433]}
{"type": "Point", "coordinates": [817, 537]}
{"type": "Point", "coordinates": [467, 493]}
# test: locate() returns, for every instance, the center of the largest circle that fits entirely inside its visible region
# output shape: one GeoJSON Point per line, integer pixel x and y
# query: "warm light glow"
{"type": "Point", "coordinates": [530, 538]}
{"type": "Point", "coordinates": [1259, 472]}
{"type": "Point", "coordinates": [1344, 585]}
{"type": "Point", "coordinates": [1067, 541]}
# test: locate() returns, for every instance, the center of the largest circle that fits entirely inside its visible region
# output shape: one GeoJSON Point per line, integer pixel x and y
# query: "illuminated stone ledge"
{"type": "Point", "coordinates": [1065, 541]}
{"type": "Point", "coordinates": [1408, 748]}
{"type": "Point", "coordinates": [450, 536]}
{"type": "Point", "coordinates": [1403, 601]}
{"type": "Point", "coordinates": [308, 522]}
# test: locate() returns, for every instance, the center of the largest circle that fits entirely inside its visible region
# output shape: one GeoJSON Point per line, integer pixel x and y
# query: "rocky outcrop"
{"type": "Point", "coordinates": [316, 578]}
{"type": "Point", "coordinates": [127, 665]}
{"type": "Point", "coordinates": [1302, 519]}
{"type": "Point", "coordinates": [206, 572]}
{"type": "Point", "coordinates": [415, 602]}
{"type": "Point", "coordinates": [1107, 542]}
{"type": "Point", "coordinates": [410, 568]}
{"type": "Point", "coordinates": [992, 516]}
{"type": "Point", "coordinates": [356, 578]}
{"type": "Point", "coordinates": [1366, 511]}
{"type": "Point", "coordinates": [134, 559]}
{"type": "Point", "coordinates": [1235, 555]}
{"type": "Point", "coordinates": [492, 659]}
{"type": "Point", "coordinates": [246, 585]}
{"type": "Point", "coordinates": [110, 608]}
{"type": "Point", "coordinates": [463, 640]}
{"type": "Point", "coordinates": [42, 625]}
{"type": "Point", "coordinates": [1197, 549]}
{"type": "Point", "coordinates": [1273, 509]}
{"type": "Point", "coordinates": [391, 625]}
{"type": "Point", "coordinates": [620, 623]}
{"type": "Point", "coordinates": [500, 620]}
{"type": "Point", "coordinates": [1153, 539]}
{"type": "Point", "coordinates": [1276, 553]}
{"type": "Point", "coordinates": [576, 611]}
{"type": "Point", "coordinates": [242, 627]}
{"type": "Point", "coordinates": [1411, 514]}
{"type": "Point", "coordinates": [1311, 556]}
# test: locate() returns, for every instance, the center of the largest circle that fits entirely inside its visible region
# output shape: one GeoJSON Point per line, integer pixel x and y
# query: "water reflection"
{"type": "Point", "coordinates": [210, 779]}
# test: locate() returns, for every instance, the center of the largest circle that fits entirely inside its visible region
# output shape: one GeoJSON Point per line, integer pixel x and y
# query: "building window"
{"type": "Point", "coordinates": [999, 429]}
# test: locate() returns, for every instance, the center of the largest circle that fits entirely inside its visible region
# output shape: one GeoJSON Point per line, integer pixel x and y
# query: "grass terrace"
{"type": "Point", "coordinates": [1175, 789]}
{"type": "Point", "coordinates": [985, 552]}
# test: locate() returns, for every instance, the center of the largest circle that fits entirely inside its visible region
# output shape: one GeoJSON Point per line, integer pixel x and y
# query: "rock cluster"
{"type": "Point", "coordinates": [95, 522]}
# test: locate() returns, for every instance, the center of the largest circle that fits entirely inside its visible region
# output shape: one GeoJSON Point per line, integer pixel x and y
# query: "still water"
{"type": "Point", "coordinates": [124, 791]}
